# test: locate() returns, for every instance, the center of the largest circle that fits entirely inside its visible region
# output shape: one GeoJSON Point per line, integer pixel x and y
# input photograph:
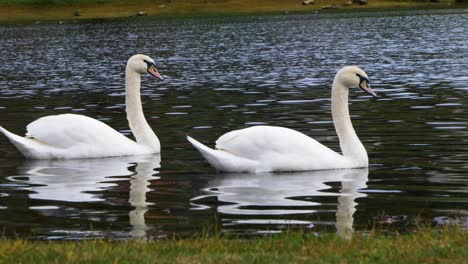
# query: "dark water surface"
{"type": "Point", "coordinates": [228, 73]}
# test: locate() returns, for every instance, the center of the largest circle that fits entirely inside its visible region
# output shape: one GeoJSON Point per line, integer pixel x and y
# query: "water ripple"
{"type": "Point", "coordinates": [226, 73]}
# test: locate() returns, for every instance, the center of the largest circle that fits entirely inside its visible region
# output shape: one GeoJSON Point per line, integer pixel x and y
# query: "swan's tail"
{"type": "Point", "coordinates": [12, 137]}
{"type": "Point", "coordinates": [21, 143]}
{"type": "Point", "coordinates": [222, 160]}
{"type": "Point", "coordinates": [208, 153]}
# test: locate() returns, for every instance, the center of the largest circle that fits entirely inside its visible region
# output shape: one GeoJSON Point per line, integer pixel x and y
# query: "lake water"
{"type": "Point", "coordinates": [229, 73]}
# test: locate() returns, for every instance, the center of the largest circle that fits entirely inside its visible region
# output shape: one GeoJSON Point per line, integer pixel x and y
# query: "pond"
{"type": "Point", "coordinates": [226, 73]}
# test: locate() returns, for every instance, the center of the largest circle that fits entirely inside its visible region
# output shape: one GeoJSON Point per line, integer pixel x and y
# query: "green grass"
{"type": "Point", "coordinates": [424, 246]}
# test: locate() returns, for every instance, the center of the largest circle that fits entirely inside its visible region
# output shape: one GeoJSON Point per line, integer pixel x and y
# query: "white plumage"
{"type": "Point", "coordinates": [270, 148]}
{"type": "Point", "coordinates": [69, 136]}
{"type": "Point", "coordinates": [267, 148]}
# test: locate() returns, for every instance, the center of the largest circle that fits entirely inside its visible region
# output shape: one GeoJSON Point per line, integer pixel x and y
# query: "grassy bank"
{"type": "Point", "coordinates": [31, 10]}
{"type": "Point", "coordinates": [426, 246]}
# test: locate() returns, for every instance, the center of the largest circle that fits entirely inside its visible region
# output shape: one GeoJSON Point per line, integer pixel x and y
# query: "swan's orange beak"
{"type": "Point", "coordinates": [364, 85]}
{"type": "Point", "coordinates": [153, 71]}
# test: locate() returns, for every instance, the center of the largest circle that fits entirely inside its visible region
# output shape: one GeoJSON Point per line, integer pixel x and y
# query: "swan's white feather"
{"type": "Point", "coordinates": [64, 131]}
{"type": "Point", "coordinates": [264, 148]}
{"type": "Point", "coordinates": [223, 160]}
{"type": "Point", "coordinates": [71, 136]}
{"type": "Point", "coordinates": [254, 142]}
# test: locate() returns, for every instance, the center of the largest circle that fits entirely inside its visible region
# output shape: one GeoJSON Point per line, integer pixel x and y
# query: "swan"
{"type": "Point", "coordinates": [272, 148]}
{"type": "Point", "coordinates": [71, 136]}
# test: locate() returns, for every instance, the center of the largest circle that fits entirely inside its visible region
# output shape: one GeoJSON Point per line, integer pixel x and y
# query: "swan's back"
{"type": "Point", "coordinates": [279, 148]}
{"type": "Point", "coordinates": [64, 131]}
{"type": "Point", "coordinates": [254, 141]}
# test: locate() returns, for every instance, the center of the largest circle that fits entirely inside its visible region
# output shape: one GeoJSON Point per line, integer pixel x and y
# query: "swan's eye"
{"type": "Point", "coordinates": [149, 64]}
{"type": "Point", "coordinates": [362, 80]}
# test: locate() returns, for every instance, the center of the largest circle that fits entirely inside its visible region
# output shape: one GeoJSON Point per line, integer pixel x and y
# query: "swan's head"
{"type": "Point", "coordinates": [352, 77]}
{"type": "Point", "coordinates": [143, 64]}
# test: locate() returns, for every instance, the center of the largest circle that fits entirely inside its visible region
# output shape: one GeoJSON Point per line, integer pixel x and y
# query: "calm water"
{"type": "Point", "coordinates": [229, 73]}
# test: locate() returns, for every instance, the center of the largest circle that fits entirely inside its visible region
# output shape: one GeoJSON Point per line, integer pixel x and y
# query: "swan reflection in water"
{"type": "Point", "coordinates": [77, 180]}
{"type": "Point", "coordinates": [276, 194]}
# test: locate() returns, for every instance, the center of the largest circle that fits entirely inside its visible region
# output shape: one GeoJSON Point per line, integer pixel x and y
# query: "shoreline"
{"type": "Point", "coordinates": [24, 13]}
{"type": "Point", "coordinates": [431, 245]}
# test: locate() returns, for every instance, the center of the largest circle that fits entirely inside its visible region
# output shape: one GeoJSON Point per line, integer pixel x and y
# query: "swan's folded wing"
{"type": "Point", "coordinates": [258, 141]}
{"type": "Point", "coordinates": [68, 130]}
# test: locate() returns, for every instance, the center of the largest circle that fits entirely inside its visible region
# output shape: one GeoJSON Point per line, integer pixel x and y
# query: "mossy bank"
{"type": "Point", "coordinates": [54, 10]}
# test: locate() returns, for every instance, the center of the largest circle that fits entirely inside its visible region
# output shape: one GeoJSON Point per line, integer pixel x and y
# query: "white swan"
{"type": "Point", "coordinates": [70, 136]}
{"type": "Point", "coordinates": [270, 148]}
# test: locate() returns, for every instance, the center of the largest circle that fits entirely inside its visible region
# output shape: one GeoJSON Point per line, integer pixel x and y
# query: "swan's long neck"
{"type": "Point", "coordinates": [351, 146]}
{"type": "Point", "coordinates": [141, 130]}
